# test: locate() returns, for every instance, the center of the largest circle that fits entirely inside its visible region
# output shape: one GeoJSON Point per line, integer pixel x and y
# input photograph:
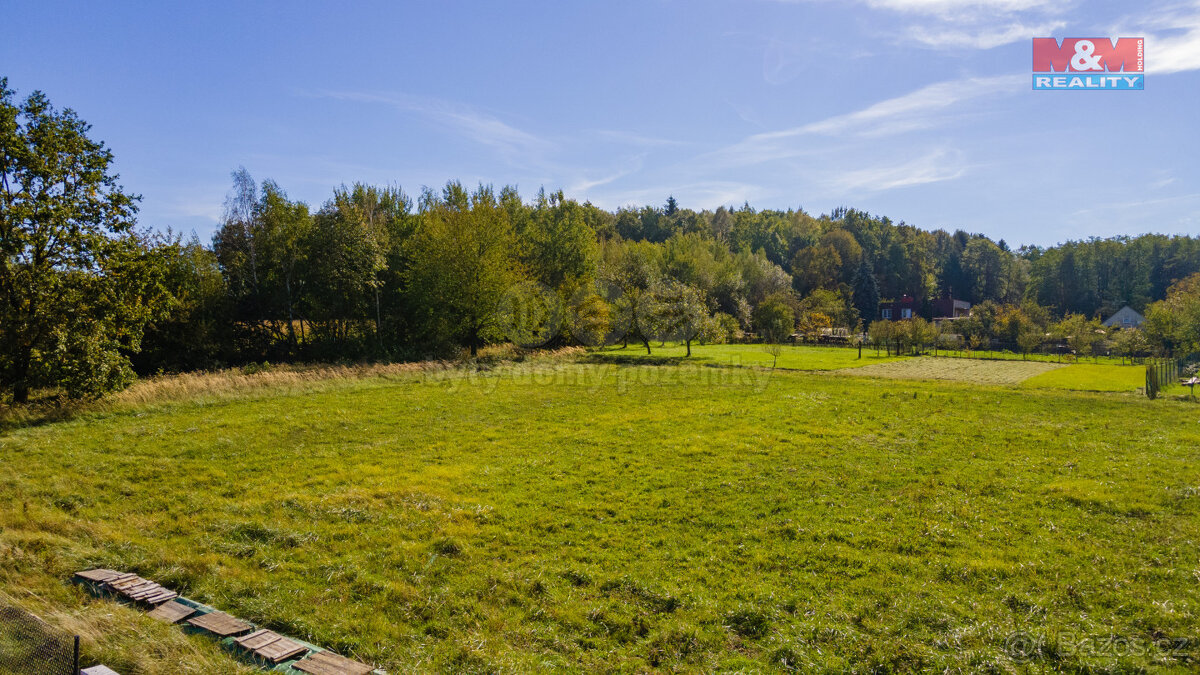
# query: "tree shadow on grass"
{"type": "Point", "coordinates": [633, 360]}
{"type": "Point", "coordinates": [39, 414]}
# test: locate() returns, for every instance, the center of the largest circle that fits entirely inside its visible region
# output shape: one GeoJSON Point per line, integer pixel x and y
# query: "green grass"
{"type": "Point", "coordinates": [1091, 377]}
{"type": "Point", "coordinates": [1015, 356]}
{"type": "Point", "coordinates": [595, 517]}
{"type": "Point", "coordinates": [791, 357]}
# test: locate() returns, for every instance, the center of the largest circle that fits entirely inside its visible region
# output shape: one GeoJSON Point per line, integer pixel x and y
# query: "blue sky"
{"type": "Point", "coordinates": [921, 110]}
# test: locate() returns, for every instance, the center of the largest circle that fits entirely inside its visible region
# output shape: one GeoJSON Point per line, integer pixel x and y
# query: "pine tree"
{"type": "Point", "coordinates": [866, 292]}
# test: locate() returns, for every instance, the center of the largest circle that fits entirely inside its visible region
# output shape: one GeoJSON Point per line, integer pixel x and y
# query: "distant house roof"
{"type": "Point", "coordinates": [1125, 317]}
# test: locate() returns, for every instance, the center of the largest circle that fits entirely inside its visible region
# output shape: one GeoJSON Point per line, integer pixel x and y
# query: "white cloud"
{"type": "Point", "coordinates": [1138, 204]}
{"type": "Point", "coordinates": [919, 109]}
{"type": "Point", "coordinates": [973, 24]}
{"type": "Point", "coordinates": [629, 138]}
{"type": "Point", "coordinates": [948, 37]}
{"type": "Point", "coordinates": [934, 167]}
{"type": "Point", "coordinates": [583, 185]}
{"type": "Point", "coordinates": [958, 8]}
{"type": "Point", "coordinates": [1173, 40]}
{"type": "Point", "coordinates": [208, 207]}
{"type": "Point", "coordinates": [473, 124]}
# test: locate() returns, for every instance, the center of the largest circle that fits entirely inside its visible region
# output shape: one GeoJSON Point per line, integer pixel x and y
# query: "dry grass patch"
{"type": "Point", "coordinates": [255, 379]}
{"type": "Point", "coordinates": [958, 370]}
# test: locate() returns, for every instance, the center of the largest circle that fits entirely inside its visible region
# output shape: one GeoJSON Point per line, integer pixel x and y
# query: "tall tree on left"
{"type": "Point", "coordinates": [77, 285]}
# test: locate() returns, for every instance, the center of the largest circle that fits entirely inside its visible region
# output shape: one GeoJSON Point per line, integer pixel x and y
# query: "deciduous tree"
{"type": "Point", "coordinates": [463, 263]}
{"type": "Point", "coordinates": [77, 286]}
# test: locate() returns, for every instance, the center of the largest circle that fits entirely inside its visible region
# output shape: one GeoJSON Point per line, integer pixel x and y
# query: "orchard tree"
{"type": "Point", "coordinates": [629, 272]}
{"type": "Point", "coordinates": [1079, 332]}
{"type": "Point", "coordinates": [1030, 336]}
{"type": "Point", "coordinates": [681, 312]}
{"type": "Point", "coordinates": [918, 334]}
{"type": "Point", "coordinates": [881, 333]}
{"type": "Point", "coordinates": [77, 285]}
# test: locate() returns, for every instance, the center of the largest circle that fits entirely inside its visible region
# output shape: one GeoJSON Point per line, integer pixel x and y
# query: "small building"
{"type": "Point", "coordinates": [908, 307]}
{"type": "Point", "coordinates": [1126, 317]}
{"type": "Point", "coordinates": [898, 310]}
{"type": "Point", "coordinates": [947, 307]}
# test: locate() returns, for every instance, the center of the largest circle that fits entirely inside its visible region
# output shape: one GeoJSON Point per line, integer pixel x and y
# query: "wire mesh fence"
{"type": "Point", "coordinates": [30, 646]}
{"type": "Point", "coordinates": [1159, 374]}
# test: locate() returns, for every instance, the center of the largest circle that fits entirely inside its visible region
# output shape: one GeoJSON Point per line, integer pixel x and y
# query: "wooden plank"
{"type": "Point", "coordinates": [271, 646]}
{"type": "Point", "coordinates": [258, 639]}
{"type": "Point", "coordinates": [162, 596]}
{"type": "Point", "coordinates": [281, 650]}
{"type": "Point", "coordinates": [139, 590]}
{"type": "Point", "coordinates": [172, 612]}
{"type": "Point", "coordinates": [127, 585]}
{"type": "Point", "coordinates": [328, 663]}
{"type": "Point", "coordinates": [221, 624]}
{"type": "Point", "coordinates": [142, 590]}
{"type": "Point", "coordinates": [98, 575]}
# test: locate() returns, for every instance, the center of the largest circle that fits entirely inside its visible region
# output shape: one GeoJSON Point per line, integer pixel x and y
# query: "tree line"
{"type": "Point", "coordinates": [87, 300]}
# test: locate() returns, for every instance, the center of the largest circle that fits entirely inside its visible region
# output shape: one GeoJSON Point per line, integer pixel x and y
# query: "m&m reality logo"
{"type": "Point", "coordinates": [1089, 63]}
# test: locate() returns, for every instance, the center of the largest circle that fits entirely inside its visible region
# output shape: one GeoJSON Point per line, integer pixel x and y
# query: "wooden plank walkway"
{"type": "Point", "coordinates": [172, 612]}
{"type": "Point", "coordinates": [129, 585]}
{"type": "Point", "coordinates": [142, 590]}
{"type": "Point", "coordinates": [220, 623]}
{"type": "Point", "coordinates": [328, 663]}
{"type": "Point", "coordinates": [98, 575]}
{"type": "Point", "coordinates": [271, 646]}
{"type": "Point", "coordinates": [267, 645]}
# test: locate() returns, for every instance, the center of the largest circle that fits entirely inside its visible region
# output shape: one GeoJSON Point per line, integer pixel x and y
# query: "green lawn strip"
{"type": "Point", "coordinates": [791, 357]}
{"type": "Point", "coordinates": [1091, 377]}
{"type": "Point", "coordinates": [1015, 356]}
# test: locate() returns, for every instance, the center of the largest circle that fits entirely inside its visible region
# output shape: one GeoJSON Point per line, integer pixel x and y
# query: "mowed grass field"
{"type": "Point", "coordinates": [959, 370]}
{"type": "Point", "coordinates": [1038, 371]}
{"type": "Point", "coordinates": [1106, 377]}
{"type": "Point", "coordinates": [586, 517]}
{"type": "Point", "coordinates": [791, 357]}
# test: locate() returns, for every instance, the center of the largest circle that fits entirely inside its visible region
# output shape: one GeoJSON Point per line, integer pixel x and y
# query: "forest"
{"type": "Point", "coordinates": [90, 298]}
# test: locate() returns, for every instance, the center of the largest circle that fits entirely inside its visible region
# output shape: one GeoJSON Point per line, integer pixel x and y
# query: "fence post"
{"type": "Point", "coordinates": [75, 667]}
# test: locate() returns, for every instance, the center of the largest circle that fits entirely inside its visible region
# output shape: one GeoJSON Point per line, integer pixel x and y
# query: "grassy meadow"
{"type": "Point", "coordinates": [578, 515]}
{"type": "Point", "coordinates": [1037, 371]}
{"type": "Point", "coordinates": [1091, 377]}
{"type": "Point", "coordinates": [791, 357]}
